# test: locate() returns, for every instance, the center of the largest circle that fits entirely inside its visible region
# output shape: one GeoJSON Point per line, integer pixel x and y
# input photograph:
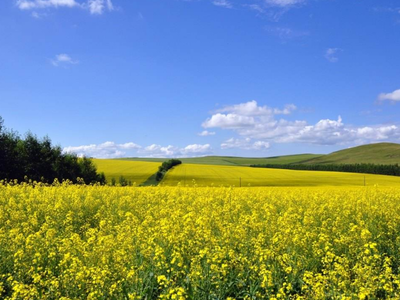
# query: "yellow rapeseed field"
{"type": "Point", "coordinates": [99, 242]}
{"type": "Point", "coordinates": [213, 175]}
{"type": "Point", "coordinates": [135, 171]}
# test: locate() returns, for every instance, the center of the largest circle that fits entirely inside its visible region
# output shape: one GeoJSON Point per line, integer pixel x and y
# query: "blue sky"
{"type": "Point", "coordinates": [110, 78]}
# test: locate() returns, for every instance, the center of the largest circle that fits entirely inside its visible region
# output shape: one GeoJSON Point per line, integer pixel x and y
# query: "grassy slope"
{"type": "Point", "coordinates": [207, 175]}
{"type": "Point", "coordinates": [381, 153]}
{"type": "Point", "coordinates": [135, 171]}
{"type": "Point", "coordinates": [232, 160]}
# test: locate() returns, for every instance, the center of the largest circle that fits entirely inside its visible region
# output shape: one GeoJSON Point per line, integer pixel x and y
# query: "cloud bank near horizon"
{"type": "Point", "coordinates": [251, 121]}
{"type": "Point", "coordinates": [255, 128]}
{"type": "Point", "coordinates": [114, 150]}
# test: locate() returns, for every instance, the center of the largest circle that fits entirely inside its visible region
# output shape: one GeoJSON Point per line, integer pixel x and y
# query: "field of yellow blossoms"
{"type": "Point", "coordinates": [98, 242]}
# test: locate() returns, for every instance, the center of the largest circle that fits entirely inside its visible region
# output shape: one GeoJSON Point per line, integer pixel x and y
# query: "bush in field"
{"type": "Point", "coordinates": [165, 166]}
{"type": "Point", "coordinates": [37, 159]}
{"type": "Point", "coordinates": [124, 182]}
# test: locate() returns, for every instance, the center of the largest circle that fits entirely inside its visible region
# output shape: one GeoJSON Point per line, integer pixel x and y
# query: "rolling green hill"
{"type": "Point", "coordinates": [381, 153]}
{"type": "Point", "coordinates": [235, 161]}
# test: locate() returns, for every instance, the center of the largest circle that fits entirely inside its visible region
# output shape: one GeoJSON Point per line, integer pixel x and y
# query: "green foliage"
{"type": "Point", "coordinates": [159, 175]}
{"type": "Point", "coordinates": [124, 182]}
{"type": "Point", "coordinates": [165, 166]}
{"type": "Point", "coordinates": [38, 160]}
{"type": "Point", "coordinates": [393, 170]}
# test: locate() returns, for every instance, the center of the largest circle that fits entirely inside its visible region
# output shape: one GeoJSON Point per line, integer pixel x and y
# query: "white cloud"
{"type": "Point", "coordinates": [63, 59]}
{"type": "Point", "coordinates": [261, 145]}
{"type": "Point", "coordinates": [393, 96]}
{"type": "Point", "coordinates": [172, 151]}
{"type": "Point", "coordinates": [35, 4]}
{"type": "Point", "coordinates": [284, 3]}
{"type": "Point", "coordinates": [245, 144]}
{"type": "Point", "coordinates": [331, 54]}
{"type": "Point", "coordinates": [114, 150]}
{"type": "Point", "coordinates": [251, 108]}
{"type": "Point", "coordinates": [196, 148]}
{"type": "Point", "coordinates": [222, 3]}
{"type": "Point", "coordinates": [94, 6]}
{"type": "Point", "coordinates": [206, 133]}
{"type": "Point", "coordinates": [244, 115]}
{"type": "Point", "coordinates": [274, 10]}
{"type": "Point", "coordinates": [129, 146]}
{"type": "Point", "coordinates": [155, 150]}
{"type": "Point", "coordinates": [228, 121]}
{"type": "Point", "coordinates": [260, 123]}
{"type": "Point", "coordinates": [97, 7]}
{"type": "Point", "coordinates": [387, 9]}
{"type": "Point", "coordinates": [255, 7]}
{"type": "Point", "coordinates": [104, 150]}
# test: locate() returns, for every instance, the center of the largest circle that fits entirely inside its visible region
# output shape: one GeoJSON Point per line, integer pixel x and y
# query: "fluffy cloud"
{"type": "Point", "coordinates": [274, 10]}
{"type": "Point", "coordinates": [206, 133]}
{"type": "Point", "coordinates": [331, 54]}
{"type": "Point", "coordinates": [104, 150]}
{"type": "Point", "coordinates": [244, 115]}
{"type": "Point", "coordinates": [394, 96]}
{"type": "Point", "coordinates": [99, 6]}
{"type": "Point", "coordinates": [196, 148]}
{"type": "Point", "coordinates": [251, 108]}
{"type": "Point", "coordinates": [155, 150]}
{"type": "Point", "coordinates": [245, 144]}
{"type": "Point", "coordinates": [36, 4]}
{"type": "Point", "coordinates": [63, 59]}
{"type": "Point", "coordinates": [261, 145]}
{"type": "Point", "coordinates": [222, 3]}
{"type": "Point", "coordinates": [284, 3]}
{"type": "Point", "coordinates": [171, 151]}
{"type": "Point", "coordinates": [261, 123]}
{"type": "Point", "coordinates": [94, 6]}
{"type": "Point", "coordinates": [114, 150]}
{"type": "Point", "coordinates": [228, 121]}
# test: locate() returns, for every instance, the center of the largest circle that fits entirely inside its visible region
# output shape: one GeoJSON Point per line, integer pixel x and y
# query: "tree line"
{"type": "Point", "coordinates": [122, 181]}
{"type": "Point", "coordinates": [165, 166]}
{"type": "Point", "coordinates": [38, 160]}
{"type": "Point", "coordinates": [393, 170]}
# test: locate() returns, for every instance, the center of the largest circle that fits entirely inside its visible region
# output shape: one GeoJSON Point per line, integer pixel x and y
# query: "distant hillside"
{"type": "Point", "coordinates": [381, 153]}
{"type": "Point", "coordinates": [236, 161]}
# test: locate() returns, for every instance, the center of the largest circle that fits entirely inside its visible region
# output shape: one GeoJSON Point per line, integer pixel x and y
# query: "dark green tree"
{"type": "Point", "coordinates": [37, 159]}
